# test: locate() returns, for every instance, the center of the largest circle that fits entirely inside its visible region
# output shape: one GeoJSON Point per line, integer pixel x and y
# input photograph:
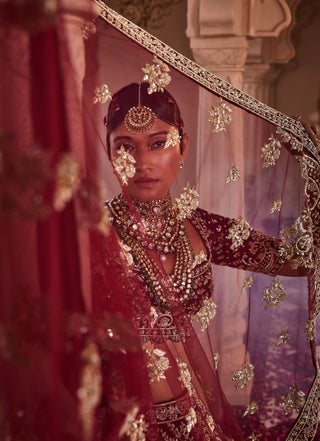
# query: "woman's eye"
{"type": "Point", "coordinates": [157, 145]}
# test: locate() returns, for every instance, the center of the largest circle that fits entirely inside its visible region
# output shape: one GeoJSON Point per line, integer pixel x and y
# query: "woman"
{"type": "Point", "coordinates": [170, 249]}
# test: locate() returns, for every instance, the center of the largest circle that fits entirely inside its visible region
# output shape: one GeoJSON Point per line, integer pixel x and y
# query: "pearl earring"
{"type": "Point", "coordinates": [181, 164]}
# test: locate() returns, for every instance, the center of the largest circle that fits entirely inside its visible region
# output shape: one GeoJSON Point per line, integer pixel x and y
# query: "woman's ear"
{"type": "Point", "coordinates": [185, 145]}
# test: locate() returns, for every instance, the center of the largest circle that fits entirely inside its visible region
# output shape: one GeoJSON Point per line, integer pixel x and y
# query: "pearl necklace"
{"type": "Point", "coordinates": [166, 234]}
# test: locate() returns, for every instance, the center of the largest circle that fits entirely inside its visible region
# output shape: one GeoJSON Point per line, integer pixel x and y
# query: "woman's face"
{"type": "Point", "coordinates": [156, 166]}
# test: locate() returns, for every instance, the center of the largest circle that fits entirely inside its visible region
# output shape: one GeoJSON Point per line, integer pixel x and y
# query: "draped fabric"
{"type": "Point", "coordinates": [85, 347]}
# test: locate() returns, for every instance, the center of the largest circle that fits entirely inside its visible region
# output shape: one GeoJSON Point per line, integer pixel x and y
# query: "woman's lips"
{"type": "Point", "coordinates": [146, 182]}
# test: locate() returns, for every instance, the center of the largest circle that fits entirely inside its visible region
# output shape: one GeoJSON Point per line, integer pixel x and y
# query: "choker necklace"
{"type": "Point", "coordinates": [166, 234]}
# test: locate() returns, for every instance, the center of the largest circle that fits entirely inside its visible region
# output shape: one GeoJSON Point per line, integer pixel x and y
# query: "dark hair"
{"type": "Point", "coordinates": [162, 103]}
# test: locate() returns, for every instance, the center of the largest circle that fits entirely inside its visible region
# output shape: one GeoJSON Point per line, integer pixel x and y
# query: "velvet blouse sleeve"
{"type": "Point", "coordinates": [234, 243]}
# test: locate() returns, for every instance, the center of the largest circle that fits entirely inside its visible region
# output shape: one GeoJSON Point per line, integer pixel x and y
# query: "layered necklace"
{"type": "Point", "coordinates": [163, 232]}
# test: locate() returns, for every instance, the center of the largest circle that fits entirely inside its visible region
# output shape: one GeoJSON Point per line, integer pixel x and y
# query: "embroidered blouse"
{"type": "Point", "coordinates": [228, 242]}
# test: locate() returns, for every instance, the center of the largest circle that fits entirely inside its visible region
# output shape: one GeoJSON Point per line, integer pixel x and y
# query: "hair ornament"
{"type": "Point", "coordinates": [157, 75]}
{"type": "Point", "coordinates": [139, 119]}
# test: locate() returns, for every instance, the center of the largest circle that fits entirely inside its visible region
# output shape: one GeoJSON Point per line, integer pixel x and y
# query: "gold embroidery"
{"type": "Point", "coordinates": [199, 258]}
{"type": "Point", "coordinates": [210, 423]}
{"type": "Point", "coordinates": [270, 152]}
{"type": "Point", "coordinates": [310, 329]}
{"type": "Point", "coordinates": [287, 137]}
{"type": "Point", "coordinates": [251, 408]}
{"type": "Point", "coordinates": [243, 375]}
{"type": "Point", "coordinates": [126, 252]}
{"type": "Point", "coordinates": [233, 174]}
{"type": "Point", "coordinates": [101, 94]}
{"type": "Point", "coordinates": [134, 428]}
{"type": "Point", "coordinates": [185, 375]}
{"type": "Point", "coordinates": [191, 419]}
{"type": "Point", "coordinates": [239, 232]}
{"type": "Point", "coordinates": [123, 165]}
{"type": "Point", "coordinates": [90, 389]}
{"type": "Point", "coordinates": [88, 29]}
{"type": "Point", "coordinates": [253, 437]}
{"type": "Point", "coordinates": [301, 243]}
{"type": "Point", "coordinates": [276, 206]}
{"type": "Point", "coordinates": [206, 313]}
{"type": "Point", "coordinates": [274, 295]}
{"type": "Point", "coordinates": [172, 139]}
{"type": "Point", "coordinates": [157, 75]}
{"type": "Point", "coordinates": [67, 181]}
{"type": "Point", "coordinates": [292, 400]}
{"type": "Point", "coordinates": [247, 283]}
{"type": "Point", "coordinates": [216, 357]}
{"type": "Point", "coordinates": [285, 250]}
{"type": "Point", "coordinates": [282, 338]}
{"type": "Point", "coordinates": [187, 202]}
{"type": "Point", "coordinates": [220, 117]}
{"type": "Point", "coordinates": [157, 364]}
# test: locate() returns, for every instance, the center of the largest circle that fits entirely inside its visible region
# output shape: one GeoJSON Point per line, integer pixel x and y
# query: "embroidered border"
{"type": "Point", "coordinates": [205, 77]}
{"type": "Point", "coordinates": [306, 424]}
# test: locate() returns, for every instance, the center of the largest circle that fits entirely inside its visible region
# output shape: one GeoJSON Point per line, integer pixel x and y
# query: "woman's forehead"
{"type": "Point", "coordinates": [159, 127]}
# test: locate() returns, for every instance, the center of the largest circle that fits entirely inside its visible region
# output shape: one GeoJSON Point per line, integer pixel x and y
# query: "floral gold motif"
{"type": "Point", "coordinates": [270, 152]}
{"type": "Point", "coordinates": [283, 337]}
{"type": "Point", "coordinates": [220, 117]}
{"type": "Point", "coordinates": [276, 206]}
{"type": "Point", "coordinates": [301, 243]}
{"type": "Point", "coordinates": [187, 202]}
{"type": "Point", "coordinates": [157, 364]}
{"type": "Point", "coordinates": [239, 232]}
{"type": "Point", "coordinates": [206, 313]}
{"type": "Point", "coordinates": [292, 400]}
{"type": "Point", "coordinates": [191, 419]}
{"type": "Point", "coordinates": [135, 428]}
{"type": "Point", "coordinates": [243, 375]}
{"type": "Point", "coordinates": [233, 174]}
{"type": "Point", "coordinates": [253, 437]}
{"type": "Point", "coordinates": [247, 283]}
{"type": "Point", "coordinates": [274, 295]}
{"type": "Point", "coordinates": [157, 75]}
{"type": "Point", "coordinates": [67, 181]}
{"type": "Point", "coordinates": [172, 139]}
{"type": "Point", "coordinates": [199, 258]}
{"type": "Point", "coordinates": [123, 165]}
{"type": "Point", "coordinates": [185, 376]}
{"type": "Point", "coordinates": [251, 408]}
{"type": "Point", "coordinates": [101, 94]}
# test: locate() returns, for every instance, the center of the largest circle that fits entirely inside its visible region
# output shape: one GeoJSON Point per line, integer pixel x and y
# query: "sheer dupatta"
{"type": "Point", "coordinates": [72, 354]}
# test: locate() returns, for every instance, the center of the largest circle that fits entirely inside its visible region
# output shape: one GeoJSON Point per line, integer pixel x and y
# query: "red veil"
{"type": "Point", "coordinates": [72, 364]}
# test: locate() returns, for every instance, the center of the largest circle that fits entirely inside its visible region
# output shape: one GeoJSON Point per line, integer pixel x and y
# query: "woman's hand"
{"type": "Point", "coordinates": [312, 130]}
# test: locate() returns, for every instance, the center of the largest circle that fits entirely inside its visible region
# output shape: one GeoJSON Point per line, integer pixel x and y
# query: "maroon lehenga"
{"type": "Point", "coordinates": [84, 348]}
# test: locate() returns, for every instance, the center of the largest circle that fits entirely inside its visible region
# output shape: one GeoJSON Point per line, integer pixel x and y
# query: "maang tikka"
{"type": "Point", "coordinates": [139, 119]}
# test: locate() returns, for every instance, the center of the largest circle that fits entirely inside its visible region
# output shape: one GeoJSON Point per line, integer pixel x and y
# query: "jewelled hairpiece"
{"type": "Point", "coordinates": [139, 119]}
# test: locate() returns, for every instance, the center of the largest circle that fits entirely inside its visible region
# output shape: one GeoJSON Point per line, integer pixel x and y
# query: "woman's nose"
{"type": "Point", "coordinates": [144, 160]}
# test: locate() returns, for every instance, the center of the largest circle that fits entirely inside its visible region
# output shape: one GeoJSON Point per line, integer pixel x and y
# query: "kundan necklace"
{"type": "Point", "coordinates": [162, 231]}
